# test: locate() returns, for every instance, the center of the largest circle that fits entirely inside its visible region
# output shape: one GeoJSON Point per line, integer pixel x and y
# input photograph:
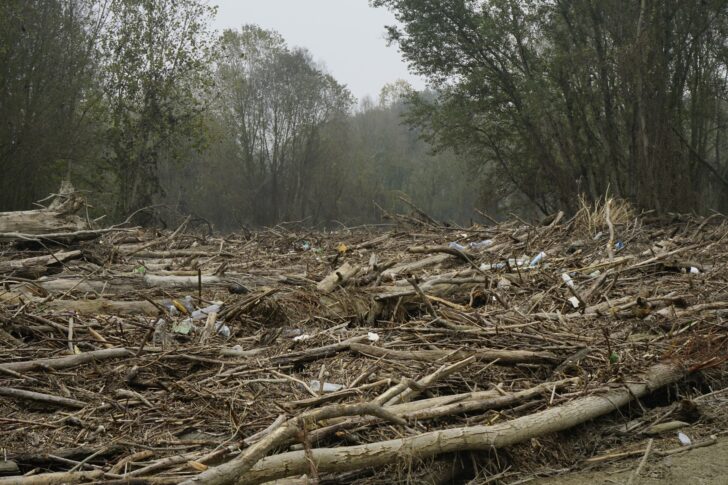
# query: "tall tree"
{"type": "Point", "coordinates": [561, 97]}
{"type": "Point", "coordinates": [47, 63]}
{"type": "Point", "coordinates": [156, 81]}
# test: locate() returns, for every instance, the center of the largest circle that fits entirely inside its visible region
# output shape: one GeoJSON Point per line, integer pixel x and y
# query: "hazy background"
{"type": "Point", "coordinates": [346, 36]}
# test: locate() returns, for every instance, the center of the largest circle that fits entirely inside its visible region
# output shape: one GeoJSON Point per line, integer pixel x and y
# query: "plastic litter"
{"type": "Point", "coordinates": [619, 245]}
{"type": "Point", "coordinates": [184, 327]}
{"type": "Point", "coordinates": [694, 270]}
{"type": "Point", "coordinates": [301, 338]}
{"type": "Point", "coordinates": [481, 244]}
{"type": "Point", "coordinates": [684, 439]}
{"type": "Point", "coordinates": [328, 386]}
{"type": "Point", "coordinates": [373, 337]}
{"type": "Point", "coordinates": [202, 313]}
{"type": "Point", "coordinates": [306, 245]}
{"type": "Point", "coordinates": [171, 309]}
{"type": "Point", "coordinates": [223, 330]}
{"type": "Point", "coordinates": [457, 246]}
{"type": "Point", "coordinates": [537, 259]}
{"type": "Point", "coordinates": [567, 279]}
{"type": "Point", "coordinates": [574, 301]}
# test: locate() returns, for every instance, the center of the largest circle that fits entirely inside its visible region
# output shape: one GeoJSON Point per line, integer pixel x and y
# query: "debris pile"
{"type": "Point", "coordinates": [413, 353]}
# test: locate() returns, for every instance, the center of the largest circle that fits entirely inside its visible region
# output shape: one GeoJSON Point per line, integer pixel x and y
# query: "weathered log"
{"type": "Point", "coordinates": [59, 216]}
{"type": "Point", "coordinates": [39, 397]}
{"type": "Point", "coordinates": [67, 361]}
{"type": "Point", "coordinates": [36, 266]}
{"type": "Point", "coordinates": [337, 278]}
{"type": "Point", "coordinates": [504, 357]}
{"type": "Point", "coordinates": [332, 460]}
{"type": "Point", "coordinates": [57, 478]}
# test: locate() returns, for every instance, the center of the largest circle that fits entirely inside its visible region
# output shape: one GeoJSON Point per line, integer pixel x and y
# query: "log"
{"type": "Point", "coordinates": [67, 361]}
{"type": "Point", "coordinates": [420, 446]}
{"type": "Point", "coordinates": [127, 283]}
{"type": "Point", "coordinates": [337, 278]}
{"type": "Point", "coordinates": [103, 307]}
{"type": "Point", "coordinates": [41, 398]}
{"type": "Point", "coordinates": [38, 265]}
{"type": "Point", "coordinates": [57, 478]}
{"type": "Point", "coordinates": [503, 356]}
{"type": "Point", "coordinates": [59, 216]}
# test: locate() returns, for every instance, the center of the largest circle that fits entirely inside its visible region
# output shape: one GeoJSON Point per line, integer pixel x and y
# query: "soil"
{"type": "Point", "coordinates": [700, 466]}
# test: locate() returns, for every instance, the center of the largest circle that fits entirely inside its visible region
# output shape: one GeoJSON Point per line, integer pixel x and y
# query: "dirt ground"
{"type": "Point", "coordinates": [701, 466]}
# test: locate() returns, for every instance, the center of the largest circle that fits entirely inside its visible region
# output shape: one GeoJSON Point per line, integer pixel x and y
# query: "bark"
{"type": "Point", "coordinates": [67, 361]}
{"type": "Point", "coordinates": [37, 265]}
{"type": "Point", "coordinates": [58, 478]}
{"type": "Point", "coordinates": [342, 459]}
{"type": "Point", "coordinates": [503, 356]}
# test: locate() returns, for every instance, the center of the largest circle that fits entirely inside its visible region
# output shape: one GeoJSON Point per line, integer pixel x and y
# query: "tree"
{"type": "Point", "coordinates": [47, 64]}
{"type": "Point", "coordinates": [156, 83]}
{"type": "Point", "coordinates": [561, 97]}
{"type": "Point", "coordinates": [276, 102]}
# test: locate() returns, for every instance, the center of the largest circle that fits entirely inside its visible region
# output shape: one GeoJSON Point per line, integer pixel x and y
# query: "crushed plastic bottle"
{"type": "Point", "coordinates": [537, 259]}
{"type": "Point", "coordinates": [567, 279]}
{"type": "Point", "coordinates": [171, 309]}
{"type": "Point", "coordinates": [328, 386]}
{"type": "Point", "coordinates": [481, 244]}
{"type": "Point", "coordinates": [223, 330]}
{"type": "Point", "coordinates": [202, 313]}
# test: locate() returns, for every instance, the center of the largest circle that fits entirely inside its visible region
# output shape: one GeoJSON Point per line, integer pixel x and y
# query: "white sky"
{"type": "Point", "coordinates": [347, 36]}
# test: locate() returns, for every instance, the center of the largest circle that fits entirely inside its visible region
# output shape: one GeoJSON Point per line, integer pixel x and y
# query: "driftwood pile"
{"type": "Point", "coordinates": [411, 353]}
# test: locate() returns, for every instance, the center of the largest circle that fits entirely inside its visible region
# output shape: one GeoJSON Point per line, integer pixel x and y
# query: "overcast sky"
{"type": "Point", "coordinates": [347, 36]}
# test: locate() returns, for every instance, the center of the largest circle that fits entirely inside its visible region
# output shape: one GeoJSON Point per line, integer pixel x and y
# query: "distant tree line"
{"type": "Point", "coordinates": [142, 106]}
{"type": "Point", "coordinates": [531, 103]}
{"type": "Point", "coordinates": [563, 97]}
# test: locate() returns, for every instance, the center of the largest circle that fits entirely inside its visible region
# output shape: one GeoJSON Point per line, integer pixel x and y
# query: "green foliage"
{"type": "Point", "coordinates": [559, 98]}
{"type": "Point", "coordinates": [156, 82]}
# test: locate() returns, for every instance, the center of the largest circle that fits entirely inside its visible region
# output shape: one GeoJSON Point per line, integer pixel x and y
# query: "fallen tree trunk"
{"type": "Point", "coordinates": [59, 216]}
{"type": "Point", "coordinates": [57, 478]}
{"type": "Point", "coordinates": [342, 459]}
{"type": "Point", "coordinates": [67, 361]}
{"type": "Point", "coordinates": [502, 356]}
{"type": "Point", "coordinates": [37, 265]}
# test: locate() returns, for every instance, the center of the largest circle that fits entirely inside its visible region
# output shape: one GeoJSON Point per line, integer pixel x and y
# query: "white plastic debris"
{"type": "Point", "coordinates": [301, 338]}
{"type": "Point", "coordinates": [223, 330]}
{"type": "Point", "coordinates": [694, 270]}
{"type": "Point", "coordinates": [684, 439]}
{"type": "Point", "coordinates": [481, 244]}
{"type": "Point", "coordinates": [574, 301]}
{"type": "Point", "coordinates": [567, 279]}
{"type": "Point", "coordinates": [537, 259]}
{"type": "Point", "coordinates": [373, 337]}
{"type": "Point", "coordinates": [202, 313]}
{"type": "Point", "coordinates": [595, 274]}
{"type": "Point", "coordinates": [328, 386]}
{"type": "Point", "coordinates": [457, 246]}
{"type": "Point", "coordinates": [184, 327]}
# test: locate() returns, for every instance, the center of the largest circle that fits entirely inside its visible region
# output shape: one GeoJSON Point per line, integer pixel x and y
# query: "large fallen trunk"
{"type": "Point", "coordinates": [36, 266]}
{"type": "Point", "coordinates": [342, 459]}
{"type": "Point", "coordinates": [58, 217]}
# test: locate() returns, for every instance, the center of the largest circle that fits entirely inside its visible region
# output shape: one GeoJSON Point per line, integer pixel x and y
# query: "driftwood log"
{"type": "Point", "coordinates": [341, 459]}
